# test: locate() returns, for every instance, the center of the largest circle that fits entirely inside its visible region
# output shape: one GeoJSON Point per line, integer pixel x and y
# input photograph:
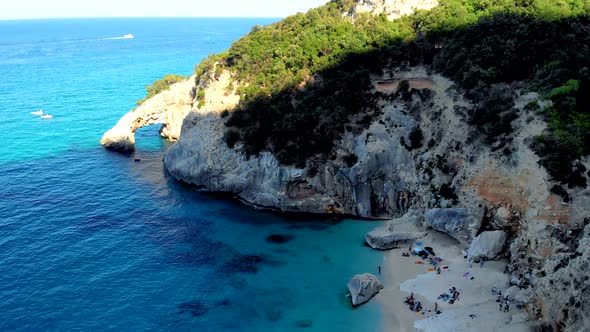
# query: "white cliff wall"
{"type": "Point", "coordinates": [393, 8]}
{"type": "Point", "coordinates": [168, 108]}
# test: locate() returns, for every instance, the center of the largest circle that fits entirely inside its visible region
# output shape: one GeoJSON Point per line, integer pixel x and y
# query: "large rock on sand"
{"type": "Point", "coordinates": [385, 238]}
{"type": "Point", "coordinates": [460, 223]}
{"type": "Point", "coordinates": [487, 245]}
{"type": "Point", "coordinates": [363, 287]}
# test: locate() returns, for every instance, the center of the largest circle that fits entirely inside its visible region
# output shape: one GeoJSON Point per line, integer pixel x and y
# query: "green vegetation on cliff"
{"type": "Point", "coordinates": [306, 80]}
{"type": "Point", "coordinates": [161, 85]}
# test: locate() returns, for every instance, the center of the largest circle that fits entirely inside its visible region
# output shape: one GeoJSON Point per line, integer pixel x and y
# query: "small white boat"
{"type": "Point", "coordinates": [128, 36]}
{"type": "Point", "coordinates": [47, 116]}
{"type": "Point", "coordinates": [39, 112]}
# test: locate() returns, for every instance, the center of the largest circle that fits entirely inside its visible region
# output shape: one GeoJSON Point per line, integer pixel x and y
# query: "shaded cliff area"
{"type": "Point", "coordinates": [474, 105]}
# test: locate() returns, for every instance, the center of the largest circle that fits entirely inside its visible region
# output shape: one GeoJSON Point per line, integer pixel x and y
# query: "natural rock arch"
{"type": "Point", "coordinates": [169, 108]}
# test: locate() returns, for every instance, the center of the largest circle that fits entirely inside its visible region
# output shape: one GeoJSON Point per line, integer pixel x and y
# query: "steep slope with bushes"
{"type": "Point", "coordinates": [482, 104]}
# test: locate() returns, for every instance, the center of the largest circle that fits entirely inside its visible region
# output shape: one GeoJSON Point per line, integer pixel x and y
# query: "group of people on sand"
{"type": "Point", "coordinates": [452, 297]}
{"type": "Point", "coordinates": [426, 254]}
{"type": "Point", "coordinates": [504, 301]}
{"type": "Point", "coordinates": [414, 304]}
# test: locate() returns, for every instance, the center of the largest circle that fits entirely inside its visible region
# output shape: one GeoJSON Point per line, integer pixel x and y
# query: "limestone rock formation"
{"type": "Point", "coordinates": [451, 168]}
{"type": "Point", "coordinates": [363, 287]}
{"type": "Point", "coordinates": [487, 245]}
{"type": "Point", "coordinates": [553, 261]}
{"type": "Point", "coordinates": [168, 108]}
{"type": "Point", "coordinates": [384, 238]}
{"type": "Point", "coordinates": [393, 8]}
{"type": "Point", "coordinates": [502, 217]}
{"type": "Point", "coordinates": [382, 183]}
{"type": "Point", "coordinates": [563, 295]}
{"type": "Point", "coordinates": [378, 185]}
{"type": "Point", "coordinates": [460, 223]}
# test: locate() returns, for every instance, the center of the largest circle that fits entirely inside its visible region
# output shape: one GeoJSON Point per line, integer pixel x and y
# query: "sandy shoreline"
{"type": "Point", "coordinates": [401, 275]}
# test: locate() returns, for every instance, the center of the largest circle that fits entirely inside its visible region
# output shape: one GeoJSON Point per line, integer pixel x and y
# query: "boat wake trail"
{"type": "Point", "coordinates": [127, 36]}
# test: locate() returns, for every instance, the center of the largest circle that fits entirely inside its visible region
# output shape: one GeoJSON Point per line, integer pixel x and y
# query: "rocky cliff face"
{"type": "Point", "coordinates": [376, 185]}
{"type": "Point", "coordinates": [168, 108]}
{"type": "Point", "coordinates": [392, 8]}
{"type": "Point", "coordinates": [376, 174]}
{"type": "Point", "coordinates": [459, 183]}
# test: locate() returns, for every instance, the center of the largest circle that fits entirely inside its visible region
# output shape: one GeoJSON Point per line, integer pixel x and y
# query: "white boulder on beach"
{"type": "Point", "coordinates": [487, 245]}
{"type": "Point", "coordinates": [363, 287]}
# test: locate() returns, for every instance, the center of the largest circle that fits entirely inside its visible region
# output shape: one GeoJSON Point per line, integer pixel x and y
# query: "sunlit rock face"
{"type": "Point", "coordinates": [168, 108]}
{"type": "Point", "coordinates": [392, 8]}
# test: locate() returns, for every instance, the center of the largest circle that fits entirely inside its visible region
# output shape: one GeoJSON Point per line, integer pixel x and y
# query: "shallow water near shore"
{"type": "Point", "coordinates": [92, 240]}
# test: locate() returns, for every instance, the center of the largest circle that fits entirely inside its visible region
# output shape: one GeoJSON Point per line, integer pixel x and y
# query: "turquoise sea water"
{"type": "Point", "coordinates": [91, 240]}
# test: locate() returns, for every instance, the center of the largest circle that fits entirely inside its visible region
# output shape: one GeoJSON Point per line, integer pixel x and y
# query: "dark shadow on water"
{"type": "Point", "coordinates": [280, 238]}
{"type": "Point", "coordinates": [247, 264]}
{"type": "Point", "coordinates": [196, 308]}
{"type": "Point", "coordinates": [223, 303]}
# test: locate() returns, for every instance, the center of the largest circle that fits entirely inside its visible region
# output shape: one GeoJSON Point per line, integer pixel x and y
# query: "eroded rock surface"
{"type": "Point", "coordinates": [393, 8]}
{"type": "Point", "coordinates": [460, 223]}
{"type": "Point", "coordinates": [452, 175]}
{"type": "Point", "coordinates": [487, 245]}
{"type": "Point", "coordinates": [384, 238]}
{"type": "Point", "coordinates": [168, 108]}
{"type": "Point", "coordinates": [363, 287]}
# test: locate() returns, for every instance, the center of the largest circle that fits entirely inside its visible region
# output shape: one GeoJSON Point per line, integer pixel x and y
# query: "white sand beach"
{"type": "Point", "coordinates": [476, 307]}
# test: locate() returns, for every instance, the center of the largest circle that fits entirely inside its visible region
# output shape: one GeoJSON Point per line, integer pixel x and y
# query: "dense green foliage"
{"type": "Point", "coordinates": [552, 57]}
{"type": "Point", "coordinates": [161, 85]}
{"type": "Point", "coordinates": [568, 119]}
{"type": "Point", "coordinates": [296, 131]}
{"type": "Point", "coordinates": [306, 80]}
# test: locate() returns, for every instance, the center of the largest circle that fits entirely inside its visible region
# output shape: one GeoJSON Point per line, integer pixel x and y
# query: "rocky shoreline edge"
{"type": "Point", "coordinates": [424, 261]}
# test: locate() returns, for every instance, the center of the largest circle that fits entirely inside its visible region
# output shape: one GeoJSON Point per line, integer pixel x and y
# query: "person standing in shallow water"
{"type": "Point", "coordinates": [379, 269]}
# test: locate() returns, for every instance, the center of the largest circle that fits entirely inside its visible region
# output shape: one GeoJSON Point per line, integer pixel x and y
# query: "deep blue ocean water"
{"type": "Point", "coordinates": [91, 240]}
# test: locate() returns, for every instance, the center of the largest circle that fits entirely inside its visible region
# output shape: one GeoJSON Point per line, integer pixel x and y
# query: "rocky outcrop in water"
{"type": "Point", "coordinates": [168, 108]}
{"type": "Point", "coordinates": [362, 287]}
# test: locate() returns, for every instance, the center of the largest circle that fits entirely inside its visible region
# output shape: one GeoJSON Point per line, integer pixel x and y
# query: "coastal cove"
{"type": "Point", "coordinates": [382, 165]}
{"type": "Point", "coordinates": [93, 240]}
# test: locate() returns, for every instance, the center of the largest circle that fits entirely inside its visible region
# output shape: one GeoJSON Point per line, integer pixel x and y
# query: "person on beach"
{"type": "Point", "coordinates": [418, 307]}
{"type": "Point", "coordinates": [438, 270]}
{"type": "Point", "coordinates": [481, 262]}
